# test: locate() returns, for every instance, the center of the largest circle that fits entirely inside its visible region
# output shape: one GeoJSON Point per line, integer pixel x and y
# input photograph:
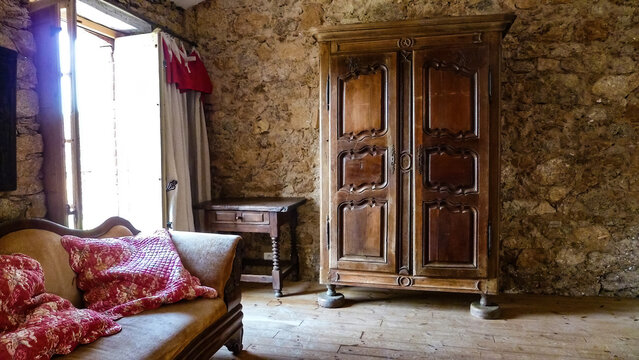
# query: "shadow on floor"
{"type": "Point", "coordinates": [512, 305]}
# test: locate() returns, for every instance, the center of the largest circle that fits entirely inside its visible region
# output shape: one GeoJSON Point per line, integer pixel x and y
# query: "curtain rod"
{"type": "Point", "coordinates": [152, 24]}
{"type": "Point", "coordinates": [165, 30]}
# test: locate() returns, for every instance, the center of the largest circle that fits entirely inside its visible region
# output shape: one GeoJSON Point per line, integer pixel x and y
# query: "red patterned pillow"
{"type": "Point", "coordinates": [127, 275]}
{"type": "Point", "coordinates": [37, 324]}
{"type": "Point", "coordinates": [21, 278]}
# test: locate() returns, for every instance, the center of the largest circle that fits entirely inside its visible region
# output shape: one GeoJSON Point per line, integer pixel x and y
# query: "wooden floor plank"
{"type": "Point", "coordinates": [389, 324]}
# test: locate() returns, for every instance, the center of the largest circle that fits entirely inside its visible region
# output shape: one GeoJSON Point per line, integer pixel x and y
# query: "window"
{"type": "Point", "coordinates": [108, 161]}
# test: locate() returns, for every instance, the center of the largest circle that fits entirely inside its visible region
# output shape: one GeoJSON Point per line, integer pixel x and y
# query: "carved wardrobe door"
{"type": "Point", "coordinates": [452, 147]}
{"type": "Point", "coordinates": [362, 155]}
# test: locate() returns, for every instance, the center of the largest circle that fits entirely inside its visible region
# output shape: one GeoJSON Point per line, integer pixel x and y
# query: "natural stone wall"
{"type": "Point", "coordinates": [570, 198]}
{"type": "Point", "coordinates": [570, 168]}
{"type": "Point", "coordinates": [28, 199]}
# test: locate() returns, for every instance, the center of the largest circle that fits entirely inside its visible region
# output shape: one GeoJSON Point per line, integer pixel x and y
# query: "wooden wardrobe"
{"type": "Point", "coordinates": [409, 147]}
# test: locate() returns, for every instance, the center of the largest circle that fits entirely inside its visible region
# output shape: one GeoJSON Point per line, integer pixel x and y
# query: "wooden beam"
{"type": "Point", "coordinates": [45, 27]}
{"type": "Point", "coordinates": [98, 28]}
{"type": "Point", "coordinates": [42, 4]}
{"type": "Point", "coordinates": [141, 26]}
{"type": "Point", "coordinates": [74, 121]}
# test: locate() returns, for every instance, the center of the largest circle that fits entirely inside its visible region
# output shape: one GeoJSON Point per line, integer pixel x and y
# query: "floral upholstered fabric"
{"type": "Point", "coordinates": [21, 278]}
{"type": "Point", "coordinates": [127, 275]}
{"type": "Point", "coordinates": [35, 324]}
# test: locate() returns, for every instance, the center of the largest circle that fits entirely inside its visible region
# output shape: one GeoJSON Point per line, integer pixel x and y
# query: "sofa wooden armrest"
{"type": "Point", "coordinates": [210, 257]}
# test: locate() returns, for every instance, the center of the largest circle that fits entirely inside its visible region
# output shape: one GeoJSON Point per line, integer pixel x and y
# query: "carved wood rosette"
{"type": "Point", "coordinates": [404, 281]}
{"type": "Point", "coordinates": [405, 43]}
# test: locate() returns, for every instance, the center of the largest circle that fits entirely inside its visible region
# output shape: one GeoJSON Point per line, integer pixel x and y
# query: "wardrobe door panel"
{"type": "Point", "coordinates": [362, 103]}
{"type": "Point", "coordinates": [363, 169]}
{"type": "Point", "coordinates": [452, 144]}
{"type": "Point", "coordinates": [450, 170]}
{"type": "Point", "coordinates": [450, 100]}
{"type": "Point", "coordinates": [363, 231]}
{"type": "Point", "coordinates": [363, 185]}
{"type": "Point", "coordinates": [449, 230]}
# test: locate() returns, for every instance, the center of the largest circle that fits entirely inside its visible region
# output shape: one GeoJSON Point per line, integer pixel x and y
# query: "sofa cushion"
{"type": "Point", "coordinates": [155, 334]}
{"type": "Point", "coordinates": [127, 275]}
{"type": "Point", "coordinates": [41, 324]}
{"type": "Point", "coordinates": [21, 278]}
{"type": "Point", "coordinates": [45, 247]}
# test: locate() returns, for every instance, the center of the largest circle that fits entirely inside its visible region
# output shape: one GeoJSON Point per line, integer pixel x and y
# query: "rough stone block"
{"type": "Point", "coordinates": [26, 73]}
{"type": "Point", "coordinates": [616, 86]}
{"type": "Point", "coordinates": [28, 145]}
{"type": "Point", "coordinates": [24, 42]}
{"type": "Point", "coordinates": [544, 64]}
{"type": "Point", "coordinates": [11, 209]}
{"type": "Point", "coordinates": [26, 103]}
{"type": "Point", "coordinates": [37, 207]}
{"type": "Point", "coordinates": [312, 15]}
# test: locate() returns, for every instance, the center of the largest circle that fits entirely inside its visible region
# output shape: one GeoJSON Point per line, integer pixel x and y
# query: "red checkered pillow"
{"type": "Point", "coordinates": [127, 275]}
{"type": "Point", "coordinates": [35, 324]}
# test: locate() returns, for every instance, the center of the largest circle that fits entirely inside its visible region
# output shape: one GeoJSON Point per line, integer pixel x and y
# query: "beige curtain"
{"type": "Point", "coordinates": [186, 151]}
{"type": "Point", "coordinates": [200, 165]}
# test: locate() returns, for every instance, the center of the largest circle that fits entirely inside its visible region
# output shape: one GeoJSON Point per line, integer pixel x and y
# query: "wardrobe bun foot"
{"type": "Point", "coordinates": [330, 299]}
{"type": "Point", "coordinates": [485, 310]}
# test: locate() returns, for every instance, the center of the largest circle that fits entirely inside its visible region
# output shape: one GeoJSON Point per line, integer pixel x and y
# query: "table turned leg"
{"type": "Point", "coordinates": [277, 275]}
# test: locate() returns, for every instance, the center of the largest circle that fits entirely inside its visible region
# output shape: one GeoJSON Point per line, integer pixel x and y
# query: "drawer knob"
{"type": "Point", "coordinates": [237, 217]}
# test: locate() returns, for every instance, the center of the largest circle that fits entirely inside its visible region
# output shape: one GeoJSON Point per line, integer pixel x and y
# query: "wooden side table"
{"type": "Point", "coordinates": [258, 215]}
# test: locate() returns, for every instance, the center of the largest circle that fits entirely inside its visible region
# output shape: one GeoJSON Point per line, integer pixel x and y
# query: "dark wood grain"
{"type": "Point", "coordinates": [405, 164]}
{"type": "Point", "coordinates": [499, 23]}
{"type": "Point", "coordinates": [48, 225]}
{"type": "Point", "coordinates": [450, 169]}
{"type": "Point", "coordinates": [409, 150]}
{"type": "Point", "coordinates": [45, 25]}
{"type": "Point", "coordinates": [277, 204]}
{"type": "Point", "coordinates": [450, 100]}
{"type": "Point", "coordinates": [454, 183]}
{"type": "Point", "coordinates": [258, 215]}
{"type": "Point", "coordinates": [362, 103]}
{"type": "Point", "coordinates": [363, 198]}
{"type": "Point", "coordinates": [451, 236]}
{"type": "Point", "coordinates": [362, 169]}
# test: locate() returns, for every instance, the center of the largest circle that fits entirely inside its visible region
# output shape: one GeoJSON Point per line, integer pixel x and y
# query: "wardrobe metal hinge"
{"type": "Point", "coordinates": [420, 159]}
{"type": "Point", "coordinates": [490, 84]}
{"type": "Point", "coordinates": [490, 237]}
{"type": "Point", "coordinates": [328, 233]}
{"type": "Point", "coordinates": [328, 92]}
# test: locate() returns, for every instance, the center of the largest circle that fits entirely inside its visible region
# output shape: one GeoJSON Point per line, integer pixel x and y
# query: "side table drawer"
{"type": "Point", "coordinates": [239, 217]}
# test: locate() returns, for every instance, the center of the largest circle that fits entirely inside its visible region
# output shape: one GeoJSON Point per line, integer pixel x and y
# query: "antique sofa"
{"type": "Point", "coordinates": [193, 329]}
